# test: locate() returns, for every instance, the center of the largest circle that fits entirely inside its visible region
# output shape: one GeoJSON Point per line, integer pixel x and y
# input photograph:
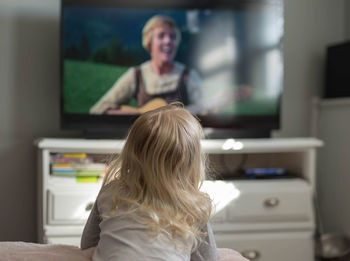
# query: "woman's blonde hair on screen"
{"type": "Point", "coordinates": [159, 172]}
{"type": "Point", "coordinates": [155, 22]}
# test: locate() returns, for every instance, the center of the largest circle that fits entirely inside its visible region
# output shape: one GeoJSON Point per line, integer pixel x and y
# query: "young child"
{"type": "Point", "coordinates": [150, 206]}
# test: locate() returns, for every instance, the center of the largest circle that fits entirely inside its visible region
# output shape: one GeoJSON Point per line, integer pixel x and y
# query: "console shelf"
{"type": "Point", "coordinates": [253, 216]}
{"type": "Point", "coordinates": [209, 146]}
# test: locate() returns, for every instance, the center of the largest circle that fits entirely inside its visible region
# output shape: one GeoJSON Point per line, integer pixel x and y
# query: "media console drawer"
{"type": "Point", "coordinates": [261, 201]}
{"type": "Point", "coordinates": [270, 201]}
{"type": "Point", "coordinates": [267, 246]}
{"type": "Point", "coordinates": [70, 207]}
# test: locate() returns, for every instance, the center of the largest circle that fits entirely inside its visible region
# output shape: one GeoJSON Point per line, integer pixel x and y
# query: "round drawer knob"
{"type": "Point", "coordinates": [89, 206]}
{"type": "Point", "coordinates": [251, 254]}
{"type": "Point", "coordinates": [271, 202]}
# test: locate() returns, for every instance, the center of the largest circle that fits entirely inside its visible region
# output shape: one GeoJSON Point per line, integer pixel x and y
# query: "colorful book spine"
{"type": "Point", "coordinates": [99, 166]}
{"type": "Point", "coordinates": [77, 165]}
{"type": "Point", "coordinates": [74, 155]}
{"type": "Point", "coordinates": [62, 166]}
{"type": "Point", "coordinates": [86, 179]}
{"type": "Point", "coordinates": [88, 172]}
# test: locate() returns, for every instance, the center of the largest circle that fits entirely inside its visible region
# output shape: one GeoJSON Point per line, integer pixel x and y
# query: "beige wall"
{"type": "Point", "coordinates": [29, 84]}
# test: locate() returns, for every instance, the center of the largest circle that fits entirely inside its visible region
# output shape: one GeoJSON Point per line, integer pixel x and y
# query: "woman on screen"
{"type": "Point", "coordinates": [158, 81]}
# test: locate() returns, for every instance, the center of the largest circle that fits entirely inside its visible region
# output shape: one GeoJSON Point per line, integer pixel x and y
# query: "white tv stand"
{"type": "Point", "coordinates": [266, 220]}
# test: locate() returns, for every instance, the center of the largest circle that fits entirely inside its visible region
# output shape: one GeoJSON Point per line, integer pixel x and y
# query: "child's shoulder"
{"type": "Point", "coordinates": [104, 198]}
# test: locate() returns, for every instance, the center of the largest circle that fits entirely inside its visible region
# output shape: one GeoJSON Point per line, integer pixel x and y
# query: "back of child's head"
{"type": "Point", "coordinates": [160, 171]}
{"type": "Point", "coordinates": [163, 147]}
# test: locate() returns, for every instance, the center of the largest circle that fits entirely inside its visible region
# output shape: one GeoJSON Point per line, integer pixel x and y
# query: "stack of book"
{"type": "Point", "coordinates": [77, 165]}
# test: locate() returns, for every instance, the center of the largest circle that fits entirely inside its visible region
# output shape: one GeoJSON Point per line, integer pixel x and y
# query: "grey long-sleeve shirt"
{"type": "Point", "coordinates": [119, 238]}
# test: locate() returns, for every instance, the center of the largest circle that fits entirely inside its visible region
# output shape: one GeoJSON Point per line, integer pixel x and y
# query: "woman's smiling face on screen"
{"type": "Point", "coordinates": [163, 45]}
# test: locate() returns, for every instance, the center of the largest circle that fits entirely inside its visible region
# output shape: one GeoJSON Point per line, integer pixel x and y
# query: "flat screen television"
{"type": "Point", "coordinates": [227, 57]}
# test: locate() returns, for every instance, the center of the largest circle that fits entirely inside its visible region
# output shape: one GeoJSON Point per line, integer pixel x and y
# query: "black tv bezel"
{"type": "Point", "coordinates": [108, 126]}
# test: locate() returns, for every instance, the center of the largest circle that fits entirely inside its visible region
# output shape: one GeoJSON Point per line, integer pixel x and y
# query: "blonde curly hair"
{"type": "Point", "coordinates": [154, 22]}
{"type": "Point", "coordinates": [159, 173]}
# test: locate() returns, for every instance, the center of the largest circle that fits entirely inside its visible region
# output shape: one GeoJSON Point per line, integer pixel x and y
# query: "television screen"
{"type": "Point", "coordinates": [222, 60]}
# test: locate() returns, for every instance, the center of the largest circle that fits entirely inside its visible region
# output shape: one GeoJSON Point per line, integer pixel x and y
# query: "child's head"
{"type": "Point", "coordinates": [161, 169]}
{"type": "Point", "coordinates": [163, 148]}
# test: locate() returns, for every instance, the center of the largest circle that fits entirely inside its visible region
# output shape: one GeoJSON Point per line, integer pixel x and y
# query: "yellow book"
{"type": "Point", "coordinates": [74, 155]}
{"type": "Point", "coordinates": [61, 165]}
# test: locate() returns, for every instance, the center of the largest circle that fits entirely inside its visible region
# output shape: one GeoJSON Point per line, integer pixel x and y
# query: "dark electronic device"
{"type": "Point", "coordinates": [337, 71]}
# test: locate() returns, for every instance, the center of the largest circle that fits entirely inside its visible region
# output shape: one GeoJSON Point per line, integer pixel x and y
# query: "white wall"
{"type": "Point", "coordinates": [334, 165]}
{"type": "Point", "coordinates": [333, 126]}
{"type": "Point", "coordinates": [347, 19]}
{"type": "Point", "coordinates": [29, 105]}
{"type": "Point", "coordinates": [309, 26]}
